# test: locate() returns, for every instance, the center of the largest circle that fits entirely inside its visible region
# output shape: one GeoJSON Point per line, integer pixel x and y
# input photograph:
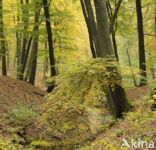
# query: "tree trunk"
{"type": "Point", "coordinates": [35, 44]}
{"type": "Point", "coordinates": [50, 43]}
{"type": "Point", "coordinates": [3, 48]}
{"type": "Point", "coordinates": [93, 27]}
{"type": "Point", "coordinates": [45, 70]}
{"type": "Point", "coordinates": [116, 95]}
{"type": "Point", "coordinates": [25, 36]}
{"type": "Point", "coordinates": [8, 56]}
{"type": "Point", "coordinates": [103, 27]}
{"type": "Point", "coordinates": [89, 29]}
{"type": "Point", "coordinates": [129, 61]}
{"type": "Point", "coordinates": [115, 45]}
{"type": "Point", "coordinates": [18, 46]}
{"type": "Point", "coordinates": [142, 59]}
{"type": "Point", "coordinates": [112, 21]}
{"type": "Point", "coordinates": [152, 69]}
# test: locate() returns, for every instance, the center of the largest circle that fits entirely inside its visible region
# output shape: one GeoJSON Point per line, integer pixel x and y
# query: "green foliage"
{"type": "Point", "coordinates": [139, 124]}
{"type": "Point", "coordinates": [79, 93]}
{"type": "Point", "coordinates": [21, 116]}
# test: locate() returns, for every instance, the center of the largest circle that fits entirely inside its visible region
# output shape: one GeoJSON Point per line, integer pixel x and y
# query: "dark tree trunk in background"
{"type": "Point", "coordinates": [25, 36]}
{"type": "Point", "coordinates": [35, 44]}
{"type": "Point", "coordinates": [18, 46]}
{"type": "Point", "coordinates": [3, 48]}
{"type": "Point", "coordinates": [112, 21]}
{"type": "Point", "coordinates": [129, 61]}
{"type": "Point", "coordinates": [114, 16]}
{"type": "Point", "coordinates": [8, 56]}
{"type": "Point", "coordinates": [89, 29]}
{"type": "Point", "coordinates": [115, 45]}
{"type": "Point", "coordinates": [152, 69]}
{"type": "Point", "coordinates": [93, 27]}
{"type": "Point", "coordinates": [142, 59]}
{"type": "Point", "coordinates": [45, 69]}
{"type": "Point", "coordinates": [50, 43]}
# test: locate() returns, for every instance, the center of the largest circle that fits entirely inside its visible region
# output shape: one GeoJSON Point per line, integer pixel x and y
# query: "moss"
{"type": "Point", "coordinates": [85, 87]}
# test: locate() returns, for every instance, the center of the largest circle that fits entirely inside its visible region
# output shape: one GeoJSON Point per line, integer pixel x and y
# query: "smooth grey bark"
{"type": "Point", "coordinates": [3, 46]}
{"type": "Point", "coordinates": [35, 44]}
{"type": "Point", "coordinates": [142, 58]}
{"type": "Point", "coordinates": [103, 27]}
{"type": "Point", "coordinates": [118, 94]}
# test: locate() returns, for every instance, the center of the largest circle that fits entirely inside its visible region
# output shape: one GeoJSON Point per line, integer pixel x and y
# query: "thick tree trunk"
{"type": "Point", "coordinates": [103, 27]}
{"type": "Point", "coordinates": [116, 95]}
{"type": "Point", "coordinates": [35, 44]}
{"type": "Point", "coordinates": [142, 59]}
{"type": "Point", "coordinates": [50, 43]}
{"type": "Point", "coordinates": [3, 48]}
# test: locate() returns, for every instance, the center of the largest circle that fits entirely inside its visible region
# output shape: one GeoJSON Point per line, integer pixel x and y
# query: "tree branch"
{"type": "Point", "coordinates": [112, 20]}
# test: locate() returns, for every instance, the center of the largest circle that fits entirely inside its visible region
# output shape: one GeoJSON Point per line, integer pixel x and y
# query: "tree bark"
{"type": "Point", "coordinates": [114, 16]}
{"type": "Point", "coordinates": [116, 96]}
{"type": "Point", "coordinates": [50, 43]}
{"type": "Point", "coordinates": [45, 70]}
{"type": "Point", "coordinates": [3, 48]}
{"type": "Point", "coordinates": [25, 36]}
{"type": "Point", "coordinates": [89, 29]}
{"type": "Point", "coordinates": [113, 31]}
{"type": "Point", "coordinates": [129, 61]}
{"type": "Point", "coordinates": [93, 27]}
{"type": "Point", "coordinates": [142, 59]}
{"type": "Point", "coordinates": [103, 27]}
{"type": "Point", "coordinates": [35, 44]}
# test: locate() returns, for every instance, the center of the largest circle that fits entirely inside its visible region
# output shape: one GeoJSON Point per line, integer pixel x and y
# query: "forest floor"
{"type": "Point", "coordinates": [14, 92]}
{"type": "Point", "coordinates": [138, 123]}
{"type": "Point", "coordinates": [137, 126]}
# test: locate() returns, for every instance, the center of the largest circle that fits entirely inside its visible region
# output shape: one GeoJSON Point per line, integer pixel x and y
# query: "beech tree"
{"type": "Point", "coordinates": [35, 43]}
{"type": "Point", "coordinates": [116, 96]}
{"type": "Point", "coordinates": [3, 45]}
{"type": "Point", "coordinates": [50, 44]}
{"type": "Point", "coordinates": [142, 58]}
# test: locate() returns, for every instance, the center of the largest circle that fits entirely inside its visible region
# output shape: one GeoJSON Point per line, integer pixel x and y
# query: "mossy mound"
{"type": "Point", "coordinates": [78, 106]}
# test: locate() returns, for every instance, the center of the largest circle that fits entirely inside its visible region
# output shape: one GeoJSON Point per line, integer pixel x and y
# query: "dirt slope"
{"type": "Point", "coordinates": [14, 92]}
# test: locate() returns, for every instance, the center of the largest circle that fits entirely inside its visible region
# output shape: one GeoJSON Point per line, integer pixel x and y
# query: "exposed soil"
{"type": "Point", "coordinates": [14, 92]}
{"type": "Point", "coordinates": [135, 93]}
